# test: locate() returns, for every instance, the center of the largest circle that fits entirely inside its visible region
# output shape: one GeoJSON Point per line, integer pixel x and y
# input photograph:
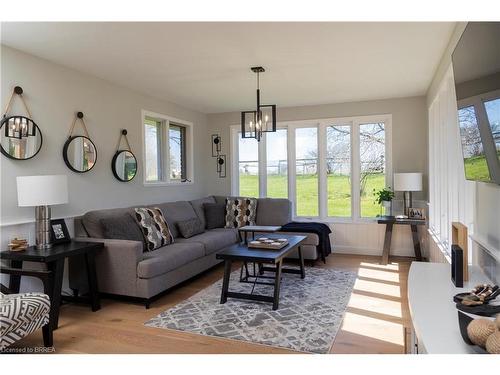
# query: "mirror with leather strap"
{"type": "Point", "coordinates": [79, 152]}
{"type": "Point", "coordinates": [124, 163]}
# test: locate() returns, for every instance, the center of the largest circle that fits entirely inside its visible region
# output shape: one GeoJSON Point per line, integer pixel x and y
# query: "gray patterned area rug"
{"type": "Point", "coordinates": [309, 315]}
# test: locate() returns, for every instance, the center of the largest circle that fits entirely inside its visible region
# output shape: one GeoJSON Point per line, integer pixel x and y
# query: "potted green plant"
{"type": "Point", "coordinates": [384, 197]}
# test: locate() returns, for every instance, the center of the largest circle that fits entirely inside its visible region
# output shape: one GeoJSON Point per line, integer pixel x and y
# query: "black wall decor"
{"type": "Point", "coordinates": [216, 153]}
{"type": "Point", "coordinates": [20, 136]}
{"type": "Point", "coordinates": [79, 152]}
{"type": "Point", "coordinates": [124, 162]}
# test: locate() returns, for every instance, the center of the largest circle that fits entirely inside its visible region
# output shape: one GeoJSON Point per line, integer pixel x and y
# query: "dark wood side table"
{"type": "Point", "coordinates": [389, 222]}
{"type": "Point", "coordinates": [54, 260]}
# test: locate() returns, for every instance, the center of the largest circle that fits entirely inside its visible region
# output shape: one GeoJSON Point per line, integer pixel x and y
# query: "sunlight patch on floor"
{"type": "Point", "coordinates": [390, 266]}
{"type": "Point", "coordinates": [374, 328]}
{"type": "Point", "coordinates": [376, 305]}
{"type": "Point", "coordinates": [379, 288]}
{"type": "Point", "coordinates": [379, 274]}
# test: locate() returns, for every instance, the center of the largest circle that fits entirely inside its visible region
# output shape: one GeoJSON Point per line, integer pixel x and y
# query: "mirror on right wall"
{"type": "Point", "coordinates": [476, 69]}
{"type": "Point", "coordinates": [124, 162]}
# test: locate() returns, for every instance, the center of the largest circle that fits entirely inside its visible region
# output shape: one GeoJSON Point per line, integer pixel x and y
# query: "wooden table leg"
{"type": "Point", "coordinates": [57, 270]}
{"type": "Point", "coordinates": [92, 280]}
{"type": "Point", "coordinates": [277, 285]}
{"type": "Point", "coordinates": [225, 281]}
{"type": "Point", "coordinates": [301, 262]}
{"type": "Point", "coordinates": [416, 242]}
{"type": "Point", "coordinates": [15, 280]}
{"type": "Point", "coordinates": [387, 243]}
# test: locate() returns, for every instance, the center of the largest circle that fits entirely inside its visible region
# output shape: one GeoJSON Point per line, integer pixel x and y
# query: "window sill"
{"type": "Point", "coordinates": [163, 183]}
{"type": "Point", "coordinates": [337, 220]}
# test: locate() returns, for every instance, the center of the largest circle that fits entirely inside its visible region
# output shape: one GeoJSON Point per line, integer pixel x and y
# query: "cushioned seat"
{"type": "Point", "coordinates": [213, 240]}
{"type": "Point", "coordinates": [22, 314]}
{"type": "Point", "coordinates": [168, 258]}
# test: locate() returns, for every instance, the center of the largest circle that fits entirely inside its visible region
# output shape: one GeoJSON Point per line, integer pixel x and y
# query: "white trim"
{"type": "Point", "coordinates": [164, 151]}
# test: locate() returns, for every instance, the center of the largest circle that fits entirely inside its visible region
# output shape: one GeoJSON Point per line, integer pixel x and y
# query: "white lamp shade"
{"type": "Point", "coordinates": [407, 181]}
{"type": "Point", "coordinates": [42, 190]}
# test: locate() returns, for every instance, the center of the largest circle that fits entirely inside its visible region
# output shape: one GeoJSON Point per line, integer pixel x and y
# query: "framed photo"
{"type": "Point", "coordinates": [59, 231]}
{"type": "Point", "coordinates": [416, 213]}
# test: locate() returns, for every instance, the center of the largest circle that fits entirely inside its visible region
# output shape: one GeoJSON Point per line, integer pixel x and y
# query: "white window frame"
{"type": "Point", "coordinates": [165, 149]}
{"type": "Point", "coordinates": [321, 124]}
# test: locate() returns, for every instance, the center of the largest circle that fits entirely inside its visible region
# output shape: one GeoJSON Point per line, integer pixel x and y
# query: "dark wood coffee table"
{"type": "Point", "coordinates": [264, 258]}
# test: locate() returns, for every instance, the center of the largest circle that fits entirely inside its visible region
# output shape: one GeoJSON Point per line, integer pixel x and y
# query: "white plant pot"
{"type": "Point", "coordinates": [388, 207]}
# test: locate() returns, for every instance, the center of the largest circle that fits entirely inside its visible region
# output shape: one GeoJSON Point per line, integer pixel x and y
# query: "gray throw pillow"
{"type": "Point", "coordinates": [122, 227]}
{"type": "Point", "coordinates": [215, 214]}
{"type": "Point", "coordinates": [190, 227]}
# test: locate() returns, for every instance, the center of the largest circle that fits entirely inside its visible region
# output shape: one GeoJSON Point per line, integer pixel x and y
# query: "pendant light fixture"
{"type": "Point", "coordinates": [263, 119]}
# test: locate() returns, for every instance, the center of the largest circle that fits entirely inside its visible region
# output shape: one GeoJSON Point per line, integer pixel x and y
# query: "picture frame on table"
{"type": "Point", "coordinates": [59, 231]}
{"type": "Point", "coordinates": [416, 213]}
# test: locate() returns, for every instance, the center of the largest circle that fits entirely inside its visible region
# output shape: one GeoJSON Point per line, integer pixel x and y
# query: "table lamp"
{"type": "Point", "coordinates": [42, 192]}
{"type": "Point", "coordinates": [407, 182]}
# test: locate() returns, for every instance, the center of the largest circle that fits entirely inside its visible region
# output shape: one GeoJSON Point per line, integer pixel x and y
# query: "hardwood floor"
{"type": "Point", "coordinates": [374, 322]}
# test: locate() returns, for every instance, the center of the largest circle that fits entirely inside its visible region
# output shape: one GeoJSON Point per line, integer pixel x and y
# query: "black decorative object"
{"type": "Point", "coordinates": [124, 162]}
{"type": "Point", "coordinates": [263, 119]}
{"type": "Point", "coordinates": [59, 231]}
{"type": "Point", "coordinates": [20, 136]}
{"type": "Point", "coordinates": [457, 259]}
{"type": "Point", "coordinates": [79, 152]}
{"type": "Point", "coordinates": [216, 153]}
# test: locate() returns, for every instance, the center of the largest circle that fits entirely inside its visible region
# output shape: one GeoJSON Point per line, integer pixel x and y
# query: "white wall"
{"type": "Point", "coordinates": [486, 223]}
{"type": "Point", "coordinates": [54, 93]}
{"type": "Point", "coordinates": [409, 135]}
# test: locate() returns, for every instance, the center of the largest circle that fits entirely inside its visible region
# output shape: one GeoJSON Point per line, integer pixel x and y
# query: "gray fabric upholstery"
{"type": "Point", "coordinates": [176, 211]}
{"type": "Point", "coordinates": [122, 227]}
{"type": "Point", "coordinates": [215, 215]}
{"type": "Point", "coordinates": [198, 208]}
{"type": "Point", "coordinates": [169, 258]}
{"type": "Point", "coordinates": [191, 227]}
{"type": "Point", "coordinates": [274, 211]}
{"type": "Point", "coordinates": [213, 240]}
{"type": "Point", "coordinates": [92, 219]}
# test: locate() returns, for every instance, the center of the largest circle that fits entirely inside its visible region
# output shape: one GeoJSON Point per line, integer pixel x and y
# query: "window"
{"type": "Point", "coordinates": [277, 164]}
{"type": "Point", "coordinates": [328, 168]}
{"type": "Point", "coordinates": [371, 166]}
{"type": "Point", "coordinates": [248, 166]}
{"type": "Point", "coordinates": [493, 112]}
{"type": "Point", "coordinates": [306, 171]}
{"type": "Point", "coordinates": [167, 150]}
{"type": "Point", "coordinates": [338, 169]}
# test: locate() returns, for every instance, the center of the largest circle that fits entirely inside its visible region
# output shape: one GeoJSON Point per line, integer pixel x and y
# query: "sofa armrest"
{"type": "Point", "coordinates": [116, 265]}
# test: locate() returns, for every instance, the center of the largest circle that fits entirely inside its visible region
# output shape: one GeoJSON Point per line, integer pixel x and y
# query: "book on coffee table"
{"type": "Point", "coordinates": [268, 243]}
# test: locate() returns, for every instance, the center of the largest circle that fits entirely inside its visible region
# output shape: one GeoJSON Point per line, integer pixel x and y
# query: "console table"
{"type": "Point", "coordinates": [389, 222]}
{"type": "Point", "coordinates": [433, 312]}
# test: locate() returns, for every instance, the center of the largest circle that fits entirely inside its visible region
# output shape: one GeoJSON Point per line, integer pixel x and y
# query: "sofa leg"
{"type": "Point", "coordinates": [47, 335]}
{"type": "Point", "coordinates": [147, 303]}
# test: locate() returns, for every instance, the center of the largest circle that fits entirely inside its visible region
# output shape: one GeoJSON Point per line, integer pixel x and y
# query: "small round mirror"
{"type": "Point", "coordinates": [20, 138]}
{"type": "Point", "coordinates": [80, 154]}
{"type": "Point", "coordinates": [124, 165]}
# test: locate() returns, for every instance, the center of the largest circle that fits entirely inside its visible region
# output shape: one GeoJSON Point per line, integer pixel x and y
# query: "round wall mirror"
{"type": "Point", "coordinates": [80, 154]}
{"type": "Point", "coordinates": [20, 138]}
{"type": "Point", "coordinates": [124, 165]}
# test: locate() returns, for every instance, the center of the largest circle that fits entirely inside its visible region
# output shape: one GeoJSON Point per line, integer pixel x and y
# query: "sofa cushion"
{"type": "Point", "coordinates": [311, 238]}
{"type": "Point", "coordinates": [175, 212]}
{"type": "Point", "coordinates": [240, 212]}
{"type": "Point", "coordinates": [213, 240]}
{"type": "Point", "coordinates": [154, 228]}
{"type": "Point", "coordinates": [122, 228]}
{"type": "Point", "coordinates": [199, 210]}
{"type": "Point", "coordinates": [190, 227]}
{"type": "Point", "coordinates": [168, 258]}
{"type": "Point", "coordinates": [274, 211]}
{"type": "Point", "coordinates": [215, 214]}
{"type": "Point", "coordinates": [92, 220]}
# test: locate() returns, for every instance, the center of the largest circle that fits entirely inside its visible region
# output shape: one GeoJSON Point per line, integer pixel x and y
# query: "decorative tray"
{"type": "Point", "coordinates": [268, 243]}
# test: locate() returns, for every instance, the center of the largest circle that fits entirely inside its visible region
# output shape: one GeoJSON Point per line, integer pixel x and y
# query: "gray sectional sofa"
{"type": "Point", "coordinates": [124, 269]}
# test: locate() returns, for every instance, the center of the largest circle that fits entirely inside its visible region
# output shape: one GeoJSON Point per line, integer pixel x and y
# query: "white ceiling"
{"type": "Point", "coordinates": [205, 66]}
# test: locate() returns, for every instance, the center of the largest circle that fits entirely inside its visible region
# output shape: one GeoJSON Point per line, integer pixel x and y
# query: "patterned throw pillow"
{"type": "Point", "coordinates": [154, 228]}
{"type": "Point", "coordinates": [240, 212]}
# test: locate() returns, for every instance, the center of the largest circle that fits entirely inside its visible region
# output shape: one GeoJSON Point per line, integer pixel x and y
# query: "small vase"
{"type": "Point", "coordinates": [388, 207]}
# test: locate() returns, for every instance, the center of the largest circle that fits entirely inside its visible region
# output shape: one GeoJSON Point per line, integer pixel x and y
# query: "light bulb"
{"type": "Point", "coordinates": [267, 118]}
{"type": "Point", "coordinates": [251, 124]}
